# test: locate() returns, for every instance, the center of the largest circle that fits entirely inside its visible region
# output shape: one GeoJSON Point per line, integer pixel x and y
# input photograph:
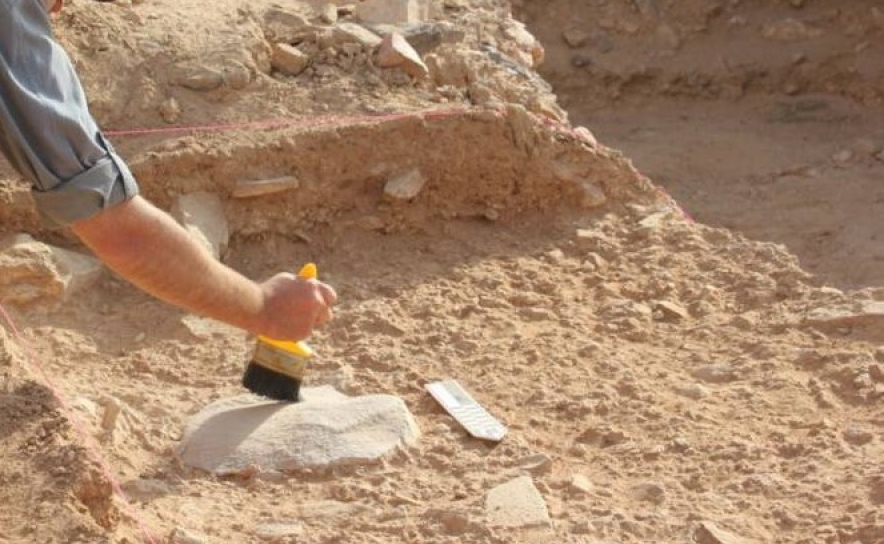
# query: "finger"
{"type": "Point", "coordinates": [328, 294]}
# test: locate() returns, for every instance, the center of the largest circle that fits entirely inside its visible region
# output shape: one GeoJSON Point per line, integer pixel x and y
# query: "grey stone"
{"type": "Point", "coordinates": [857, 436]}
{"type": "Point", "coordinates": [326, 429]}
{"type": "Point", "coordinates": [389, 11]}
{"type": "Point", "coordinates": [32, 272]}
{"type": "Point", "coordinates": [329, 14]}
{"type": "Point", "coordinates": [405, 186]}
{"type": "Point", "coordinates": [517, 503]}
{"type": "Point", "coordinates": [202, 215]}
{"type": "Point", "coordinates": [693, 391]}
{"type": "Point", "coordinates": [288, 60]}
{"type": "Point", "coordinates": [580, 485]}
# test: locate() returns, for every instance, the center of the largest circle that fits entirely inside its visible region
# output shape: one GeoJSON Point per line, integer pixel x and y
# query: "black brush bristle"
{"type": "Point", "coordinates": [271, 384]}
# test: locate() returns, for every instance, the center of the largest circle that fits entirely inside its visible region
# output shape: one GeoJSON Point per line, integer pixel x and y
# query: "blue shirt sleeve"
{"type": "Point", "coordinates": [46, 130]}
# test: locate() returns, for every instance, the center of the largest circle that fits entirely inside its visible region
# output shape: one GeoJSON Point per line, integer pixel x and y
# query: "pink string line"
{"type": "Point", "coordinates": [322, 120]}
{"type": "Point", "coordinates": [32, 365]}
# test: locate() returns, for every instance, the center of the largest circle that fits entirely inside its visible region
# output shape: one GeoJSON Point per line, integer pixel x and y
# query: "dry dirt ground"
{"type": "Point", "coordinates": [660, 376]}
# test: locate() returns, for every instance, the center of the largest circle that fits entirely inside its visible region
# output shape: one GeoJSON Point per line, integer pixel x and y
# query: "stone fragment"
{"type": "Point", "coordinates": [261, 187]}
{"type": "Point", "coordinates": [170, 110]}
{"type": "Point", "coordinates": [857, 436]}
{"type": "Point", "coordinates": [717, 373]}
{"type": "Point", "coordinates": [396, 51]}
{"type": "Point", "coordinates": [592, 196]}
{"type": "Point", "coordinates": [328, 14]}
{"type": "Point", "coordinates": [453, 522]}
{"type": "Point", "coordinates": [32, 272]}
{"type": "Point", "coordinates": [283, 25]}
{"type": "Point", "coordinates": [671, 311]}
{"type": "Point", "coordinates": [576, 37]}
{"type": "Point", "coordinates": [788, 30]}
{"type": "Point", "coordinates": [202, 215]}
{"type": "Point", "coordinates": [352, 33]}
{"type": "Point", "coordinates": [580, 485]}
{"type": "Point", "coordinates": [709, 533]}
{"type": "Point", "coordinates": [423, 37]}
{"type": "Point", "coordinates": [517, 503]}
{"type": "Point", "coordinates": [389, 11]}
{"type": "Point", "coordinates": [649, 492]}
{"type": "Point", "coordinates": [405, 186]}
{"type": "Point", "coordinates": [198, 78]}
{"type": "Point", "coordinates": [276, 532]}
{"type": "Point", "coordinates": [326, 429]}
{"type": "Point", "coordinates": [586, 136]}
{"type": "Point", "coordinates": [288, 60]}
{"type": "Point", "coordinates": [538, 463]}
{"type": "Point", "coordinates": [182, 536]}
{"type": "Point", "coordinates": [693, 391]}
{"type": "Point", "coordinates": [865, 316]}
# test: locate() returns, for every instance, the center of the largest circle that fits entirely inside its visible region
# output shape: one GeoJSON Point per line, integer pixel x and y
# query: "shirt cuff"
{"type": "Point", "coordinates": [107, 183]}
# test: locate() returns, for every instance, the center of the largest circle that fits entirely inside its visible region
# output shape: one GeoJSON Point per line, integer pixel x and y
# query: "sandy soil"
{"type": "Point", "coordinates": [668, 362]}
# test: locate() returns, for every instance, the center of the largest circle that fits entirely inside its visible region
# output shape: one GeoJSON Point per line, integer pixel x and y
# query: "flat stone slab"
{"type": "Point", "coordinates": [328, 428]}
{"type": "Point", "coordinates": [517, 503]}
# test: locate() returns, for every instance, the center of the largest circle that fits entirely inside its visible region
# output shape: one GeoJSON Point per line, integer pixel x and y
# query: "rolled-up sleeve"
{"type": "Point", "coordinates": [46, 130]}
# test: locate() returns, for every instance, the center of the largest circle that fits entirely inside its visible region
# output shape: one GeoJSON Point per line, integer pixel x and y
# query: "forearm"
{"type": "Point", "coordinates": [148, 248]}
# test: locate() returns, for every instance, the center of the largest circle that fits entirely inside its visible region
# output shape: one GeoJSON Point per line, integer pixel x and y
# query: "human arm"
{"type": "Point", "coordinates": [147, 247]}
{"type": "Point", "coordinates": [48, 134]}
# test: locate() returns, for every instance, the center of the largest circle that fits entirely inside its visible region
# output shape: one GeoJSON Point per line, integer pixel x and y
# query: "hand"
{"type": "Point", "coordinates": [294, 306]}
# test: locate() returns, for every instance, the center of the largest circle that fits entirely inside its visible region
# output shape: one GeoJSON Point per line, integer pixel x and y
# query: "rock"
{"type": "Point", "coordinates": [276, 532]}
{"type": "Point", "coordinates": [694, 391]}
{"type": "Point", "coordinates": [857, 436]}
{"type": "Point", "coordinates": [389, 11]}
{"type": "Point", "coordinates": [538, 463]}
{"type": "Point", "coordinates": [329, 14]}
{"type": "Point", "coordinates": [405, 186]}
{"type": "Point", "coordinates": [288, 60]}
{"type": "Point", "coordinates": [144, 490]}
{"type": "Point", "coordinates": [668, 37]}
{"type": "Point", "coordinates": [718, 373]}
{"type": "Point", "coordinates": [788, 30]}
{"type": "Point", "coordinates": [709, 533]}
{"type": "Point", "coordinates": [326, 429]}
{"type": "Point", "coordinates": [581, 60]}
{"type": "Point", "coordinates": [170, 110]}
{"type": "Point", "coordinates": [453, 522]}
{"type": "Point", "coordinates": [32, 272]}
{"type": "Point", "coordinates": [592, 196]}
{"type": "Point", "coordinates": [181, 536]}
{"type": "Point", "coordinates": [670, 311]}
{"type": "Point", "coordinates": [866, 316]}
{"type": "Point", "coordinates": [353, 33]}
{"type": "Point", "coordinates": [261, 187]}
{"type": "Point", "coordinates": [396, 51]}
{"type": "Point", "coordinates": [423, 37]}
{"type": "Point", "coordinates": [202, 215]}
{"type": "Point", "coordinates": [197, 77]}
{"type": "Point", "coordinates": [580, 485]}
{"type": "Point", "coordinates": [586, 136]}
{"type": "Point", "coordinates": [285, 26]}
{"type": "Point", "coordinates": [516, 503]}
{"type": "Point", "coordinates": [649, 492]}
{"type": "Point", "coordinates": [575, 37]}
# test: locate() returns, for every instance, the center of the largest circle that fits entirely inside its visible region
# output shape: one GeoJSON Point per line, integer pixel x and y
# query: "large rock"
{"type": "Point", "coordinates": [202, 214]}
{"type": "Point", "coordinates": [33, 272]}
{"type": "Point", "coordinates": [326, 429]}
{"type": "Point", "coordinates": [289, 60]}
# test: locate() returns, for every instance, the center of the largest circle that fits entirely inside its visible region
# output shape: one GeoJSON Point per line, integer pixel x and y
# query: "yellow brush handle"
{"type": "Point", "coordinates": [307, 272]}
